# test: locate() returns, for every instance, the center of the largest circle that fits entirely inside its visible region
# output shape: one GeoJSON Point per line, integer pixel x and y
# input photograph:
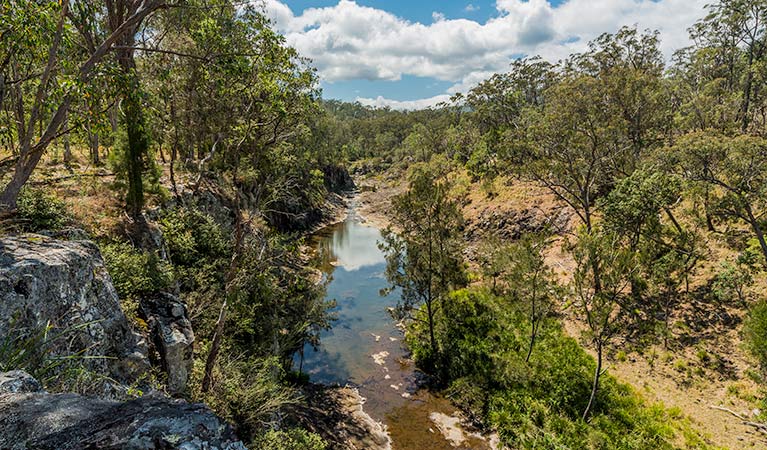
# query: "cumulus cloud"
{"type": "Point", "coordinates": [381, 102]}
{"type": "Point", "coordinates": [471, 8]}
{"type": "Point", "coordinates": [351, 41]}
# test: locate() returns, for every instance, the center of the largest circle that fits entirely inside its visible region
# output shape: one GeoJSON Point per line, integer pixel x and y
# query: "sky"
{"type": "Point", "coordinates": [410, 54]}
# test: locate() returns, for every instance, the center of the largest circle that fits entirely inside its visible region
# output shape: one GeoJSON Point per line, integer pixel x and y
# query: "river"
{"type": "Point", "coordinates": [364, 349]}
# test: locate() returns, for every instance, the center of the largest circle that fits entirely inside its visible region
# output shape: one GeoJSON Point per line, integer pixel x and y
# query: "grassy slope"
{"type": "Point", "coordinates": [704, 365]}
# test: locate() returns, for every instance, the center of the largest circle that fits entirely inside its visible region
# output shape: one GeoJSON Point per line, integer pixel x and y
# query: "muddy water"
{"type": "Point", "coordinates": [364, 348]}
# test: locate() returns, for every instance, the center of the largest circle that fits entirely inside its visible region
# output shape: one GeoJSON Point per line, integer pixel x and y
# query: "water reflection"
{"type": "Point", "coordinates": [364, 347]}
{"type": "Point", "coordinates": [350, 245]}
{"type": "Point", "coordinates": [349, 256]}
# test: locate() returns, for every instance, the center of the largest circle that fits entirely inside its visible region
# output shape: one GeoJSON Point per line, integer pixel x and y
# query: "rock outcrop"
{"type": "Point", "coordinates": [511, 224]}
{"type": "Point", "coordinates": [64, 285]}
{"type": "Point", "coordinates": [34, 420]}
{"type": "Point", "coordinates": [172, 338]}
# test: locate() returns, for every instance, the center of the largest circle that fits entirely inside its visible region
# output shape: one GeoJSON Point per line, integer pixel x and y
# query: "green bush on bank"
{"type": "Point", "coordinates": [537, 405]}
{"type": "Point", "coordinates": [293, 439]}
{"type": "Point", "coordinates": [135, 272]}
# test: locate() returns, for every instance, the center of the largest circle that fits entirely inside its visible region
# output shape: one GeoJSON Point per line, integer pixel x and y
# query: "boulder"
{"type": "Point", "coordinates": [18, 382]}
{"type": "Point", "coordinates": [64, 285]}
{"type": "Point", "coordinates": [172, 338]}
{"type": "Point", "coordinates": [36, 420]}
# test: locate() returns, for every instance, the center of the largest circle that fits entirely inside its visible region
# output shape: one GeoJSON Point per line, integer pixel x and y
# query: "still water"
{"type": "Point", "coordinates": [364, 348]}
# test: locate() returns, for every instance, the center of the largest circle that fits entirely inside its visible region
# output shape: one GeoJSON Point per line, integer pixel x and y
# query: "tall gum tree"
{"type": "Point", "coordinates": [48, 113]}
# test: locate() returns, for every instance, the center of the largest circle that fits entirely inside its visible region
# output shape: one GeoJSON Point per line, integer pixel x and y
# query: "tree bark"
{"type": "Point", "coordinates": [754, 222]}
{"type": "Point", "coordinates": [595, 385]}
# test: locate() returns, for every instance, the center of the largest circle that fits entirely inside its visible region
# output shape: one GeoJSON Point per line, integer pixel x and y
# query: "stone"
{"type": "Point", "coordinates": [18, 382]}
{"type": "Point", "coordinates": [172, 338]}
{"type": "Point", "coordinates": [64, 285]}
{"type": "Point", "coordinates": [42, 421]}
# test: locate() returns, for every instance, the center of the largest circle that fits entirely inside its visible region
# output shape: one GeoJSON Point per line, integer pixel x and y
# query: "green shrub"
{"type": "Point", "coordinates": [248, 392]}
{"type": "Point", "coordinates": [134, 272]}
{"type": "Point", "coordinates": [293, 439]}
{"type": "Point", "coordinates": [538, 404]}
{"type": "Point", "coordinates": [193, 236]}
{"type": "Point", "coordinates": [39, 210]}
{"type": "Point", "coordinates": [755, 333]}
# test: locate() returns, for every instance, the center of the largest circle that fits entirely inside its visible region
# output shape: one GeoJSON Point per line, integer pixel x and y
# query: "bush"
{"type": "Point", "coordinates": [755, 333]}
{"type": "Point", "coordinates": [247, 391]}
{"type": "Point", "coordinates": [193, 236]}
{"type": "Point", "coordinates": [538, 404]}
{"type": "Point", "coordinates": [294, 439]}
{"type": "Point", "coordinates": [40, 210]}
{"type": "Point", "coordinates": [136, 273]}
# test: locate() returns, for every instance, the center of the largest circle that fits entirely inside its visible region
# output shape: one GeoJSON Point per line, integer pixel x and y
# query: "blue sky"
{"type": "Point", "coordinates": [415, 53]}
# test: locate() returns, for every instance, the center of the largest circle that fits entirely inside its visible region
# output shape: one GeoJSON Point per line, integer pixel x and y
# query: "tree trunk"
{"type": "Point", "coordinates": [754, 222]}
{"type": "Point", "coordinates": [138, 139]}
{"type": "Point", "coordinates": [595, 385]}
{"type": "Point", "coordinates": [215, 347]}
{"type": "Point", "coordinates": [218, 334]}
{"type": "Point", "coordinates": [533, 335]}
{"type": "Point", "coordinates": [67, 146]}
{"type": "Point", "coordinates": [432, 340]}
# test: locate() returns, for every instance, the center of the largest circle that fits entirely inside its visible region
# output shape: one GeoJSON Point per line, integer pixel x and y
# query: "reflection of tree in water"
{"type": "Point", "coordinates": [327, 368]}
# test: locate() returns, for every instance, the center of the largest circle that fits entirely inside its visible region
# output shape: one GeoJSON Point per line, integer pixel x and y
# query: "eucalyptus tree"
{"type": "Point", "coordinates": [735, 169]}
{"type": "Point", "coordinates": [599, 294]}
{"type": "Point", "coordinates": [43, 32]}
{"type": "Point", "coordinates": [666, 252]}
{"type": "Point", "coordinates": [424, 252]}
{"type": "Point", "coordinates": [248, 98]}
{"type": "Point", "coordinates": [733, 36]}
{"type": "Point", "coordinates": [630, 68]}
{"type": "Point", "coordinates": [530, 283]}
{"type": "Point", "coordinates": [573, 144]}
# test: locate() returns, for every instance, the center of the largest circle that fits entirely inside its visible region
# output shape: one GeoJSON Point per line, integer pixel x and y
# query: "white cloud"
{"type": "Point", "coordinates": [471, 8]}
{"type": "Point", "coordinates": [381, 102]}
{"type": "Point", "coordinates": [350, 41]}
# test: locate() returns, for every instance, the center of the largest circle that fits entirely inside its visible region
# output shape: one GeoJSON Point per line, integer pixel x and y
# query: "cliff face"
{"type": "Point", "coordinates": [64, 285]}
{"type": "Point", "coordinates": [33, 419]}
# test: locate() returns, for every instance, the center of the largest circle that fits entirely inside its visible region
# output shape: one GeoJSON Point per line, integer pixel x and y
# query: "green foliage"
{"type": "Point", "coordinates": [193, 238]}
{"type": "Point", "coordinates": [755, 333]}
{"type": "Point", "coordinates": [40, 210]}
{"type": "Point", "coordinates": [537, 404]}
{"type": "Point", "coordinates": [292, 439]}
{"type": "Point", "coordinates": [135, 169]}
{"type": "Point", "coordinates": [250, 391]}
{"type": "Point", "coordinates": [731, 283]}
{"type": "Point", "coordinates": [274, 297]}
{"type": "Point", "coordinates": [135, 272]}
{"type": "Point", "coordinates": [424, 256]}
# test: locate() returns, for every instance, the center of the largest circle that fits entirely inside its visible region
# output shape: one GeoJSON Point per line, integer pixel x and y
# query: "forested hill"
{"type": "Point", "coordinates": [578, 246]}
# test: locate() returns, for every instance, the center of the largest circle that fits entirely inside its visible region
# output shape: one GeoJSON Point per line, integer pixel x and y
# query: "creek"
{"type": "Point", "coordinates": [364, 348]}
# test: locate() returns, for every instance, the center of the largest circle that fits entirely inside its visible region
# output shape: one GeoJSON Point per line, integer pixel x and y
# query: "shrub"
{"type": "Point", "coordinates": [134, 272]}
{"type": "Point", "coordinates": [755, 333]}
{"type": "Point", "coordinates": [40, 210]}
{"type": "Point", "coordinates": [247, 391]}
{"type": "Point", "coordinates": [192, 236]}
{"type": "Point", "coordinates": [293, 439]}
{"type": "Point", "coordinates": [538, 404]}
